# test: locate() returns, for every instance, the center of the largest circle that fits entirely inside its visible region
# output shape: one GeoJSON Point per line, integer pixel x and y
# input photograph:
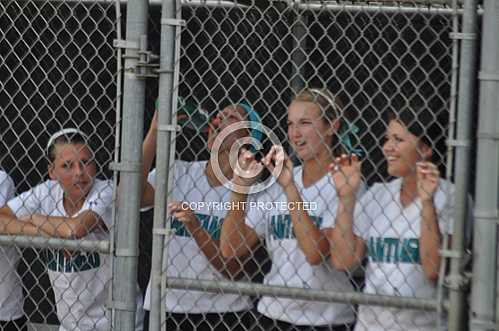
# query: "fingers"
{"type": "Point", "coordinates": [181, 211]}
{"type": "Point", "coordinates": [275, 155]}
{"type": "Point", "coordinates": [214, 124]}
{"type": "Point", "coordinates": [267, 159]}
{"type": "Point", "coordinates": [427, 166]}
{"type": "Point", "coordinates": [246, 158]}
{"type": "Point", "coordinates": [428, 177]}
{"type": "Point", "coordinates": [183, 216]}
{"type": "Point", "coordinates": [427, 170]}
{"type": "Point", "coordinates": [247, 166]}
{"type": "Point", "coordinates": [276, 158]}
{"type": "Point", "coordinates": [176, 206]}
{"type": "Point", "coordinates": [344, 161]}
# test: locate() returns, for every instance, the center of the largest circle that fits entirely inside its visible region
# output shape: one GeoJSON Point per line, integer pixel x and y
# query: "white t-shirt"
{"type": "Point", "coordinates": [80, 281]}
{"type": "Point", "coordinates": [268, 215]}
{"type": "Point", "coordinates": [185, 258]}
{"type": "Point", "coordinates": [391, 234]}
{"type": "Point", "coordinates": [11, 293]}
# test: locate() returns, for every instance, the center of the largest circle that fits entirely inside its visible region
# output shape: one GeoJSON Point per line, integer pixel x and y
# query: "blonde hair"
{"type": "Point", "coordinates": [331, 110]}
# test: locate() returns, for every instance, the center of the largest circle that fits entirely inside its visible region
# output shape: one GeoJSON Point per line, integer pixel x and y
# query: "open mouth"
{"type": "Point", "coordinates": [300, 144]}
{"type": "Point", "coordinates": [391, 158]}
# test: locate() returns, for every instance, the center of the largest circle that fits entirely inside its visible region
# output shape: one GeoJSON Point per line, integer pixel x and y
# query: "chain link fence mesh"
{"type": "Point", "coordinates": [375, 60]}
{"type": "Point", "coordinates": [59, 70]}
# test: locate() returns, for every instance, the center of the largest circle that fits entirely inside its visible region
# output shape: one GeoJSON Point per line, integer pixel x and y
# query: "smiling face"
{"type": "Point", "coordinates": [309, 133]}
{"type": "Point", "coordinates": [403, 150]}
{"type": "Point", "coordinates": [74, 168]}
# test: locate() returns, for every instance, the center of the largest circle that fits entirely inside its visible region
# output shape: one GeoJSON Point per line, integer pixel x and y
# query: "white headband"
{"type": "Point", "coordinates": [64, 132]}
{"type": "Point", "coordinates": [328, 99]}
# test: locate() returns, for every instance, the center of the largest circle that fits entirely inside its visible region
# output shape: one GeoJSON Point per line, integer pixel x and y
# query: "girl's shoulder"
{"type": "Point", "coordinates": [192, 168]}
{"type": "Point", "coordinates": [48, 185]}
{"type": "Point", "coordinates": [5, 179]}
{"type": "Point", "coordinates": [446, 186]}
{"type": "Point", "coordinates": [48, 188]}
{"type": "Point", "coordinates": [7, 188]}
{"type": "Point", "coordinates": [446, 192]}
{"type": "Point", "coordinates": [102, 184]}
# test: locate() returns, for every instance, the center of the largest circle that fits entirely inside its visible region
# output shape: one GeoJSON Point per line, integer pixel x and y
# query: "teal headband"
{"type": "Point", "coordinates": [345, 134]}
{"type": "Point", "coordinates": [347, 130]}
{"type": "Point", "coordinates": [254, 118]}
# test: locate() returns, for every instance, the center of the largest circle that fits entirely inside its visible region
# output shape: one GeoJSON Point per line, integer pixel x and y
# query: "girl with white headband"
{"type": "Point", "coordinates": [72, 204]}
{"type": "Point", "coordinates": [297, 230]}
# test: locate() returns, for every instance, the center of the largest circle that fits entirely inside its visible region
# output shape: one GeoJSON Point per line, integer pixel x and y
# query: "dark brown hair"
{"type": "Point", "coordinates": [66, 138]}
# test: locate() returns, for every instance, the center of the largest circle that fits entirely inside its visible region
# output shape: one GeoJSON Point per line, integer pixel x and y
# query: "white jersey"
{"type": "Point", "coordinates": [79, 279]}
{"type": "Point", "coordinates": [185, 258]}
{"type": "Point", "coordinates": [11, 293]}
{"type": "Point", "coordinates": [391, 234]}
{"type": "Point", "coordinates": [268, 215]}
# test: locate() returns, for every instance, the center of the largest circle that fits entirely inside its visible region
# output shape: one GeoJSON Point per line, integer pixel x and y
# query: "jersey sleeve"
{"type": "Point", "coordinates": [179, 168]}
{"type": "Point", "coordinates": [328, 217]}
{"type": "Point", "coordinates": [255, 215]}
{"type": "Point", "coordinates": [322, 205]}
{"type": "Point", "coordinates": [28, 202]}
{"type": "Point", "coordinates": [151, 178]}
{"type": "Point", "coordinates": [361, 219]}
{"type": "Point", "coordinates": [100, 201]}
{"type": "Point", "coordinates": [7, 188]}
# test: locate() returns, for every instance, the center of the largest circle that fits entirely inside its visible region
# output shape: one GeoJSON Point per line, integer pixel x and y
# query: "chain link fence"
{"type": "Point", "coordinates": [58, 70]}
{"type": "Point", "coordinates": [374, 60]}
{"type": "Point", "coordinates": [236, 60]}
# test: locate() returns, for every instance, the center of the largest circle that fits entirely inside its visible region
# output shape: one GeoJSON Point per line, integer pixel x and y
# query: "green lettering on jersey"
{"type": "Point", "coordinates": [66, 261]}
{"type": "Point", "coordinates": [391, 245]}
{"type": "Point", "coordinates": [394, 250]}
{"type": "Point", "coordinates": [211, 224]}
{"type": "Point", "coordinates": [376, 249]}
{"type": "Point", "coordinates": [410, 251]}
{"type": "Point", "coordinates": [281, 226]}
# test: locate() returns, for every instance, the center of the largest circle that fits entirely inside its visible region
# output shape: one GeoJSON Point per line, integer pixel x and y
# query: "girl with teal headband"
{"type": "Point", "coordinates": [254, 118]}
{"type": "Point", "coordinates": [196, 213]}
{"type": "Point", "coordinates": [297, 229]}
{"type": "Point", "coordinates": [193, 117]}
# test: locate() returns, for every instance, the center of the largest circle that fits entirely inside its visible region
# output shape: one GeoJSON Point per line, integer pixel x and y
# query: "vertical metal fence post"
{"type": "Point", "coordinates": [168, 79]}
{"type": "Point", "coordinates": [450, 149]}
{"type": "Point", "coordinates": [298, 57]}
{"type": "Point", "coordinates": [456, 279]}
{"type": "Point", "coordinates": [127, 227]}
{"type": "Point", "coordinates": [485, 239]}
